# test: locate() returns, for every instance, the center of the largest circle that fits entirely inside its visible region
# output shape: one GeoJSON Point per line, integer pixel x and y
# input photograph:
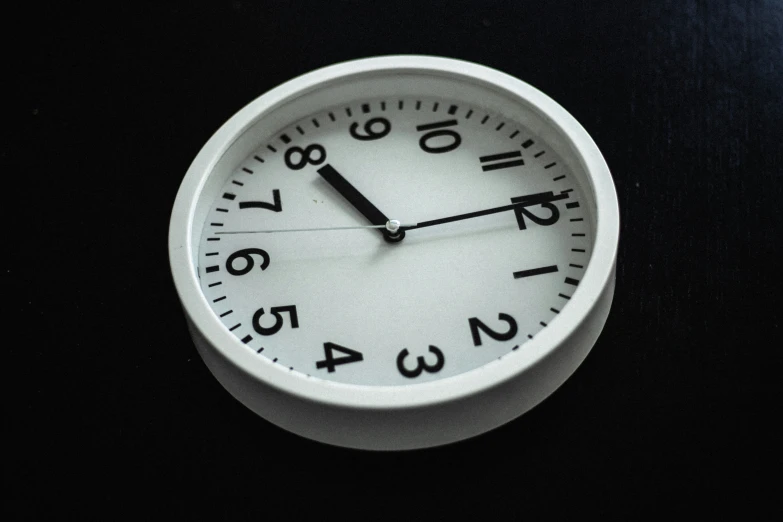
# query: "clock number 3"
{"type": "Point", "coordinates": [477, 325]}
{"type": "Point", "coordinates": [421, 364]}
{"type": "Point", "coordinates": [277, 311]}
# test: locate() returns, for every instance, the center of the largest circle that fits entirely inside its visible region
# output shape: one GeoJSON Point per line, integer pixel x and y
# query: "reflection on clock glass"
{"type": "Point", "coordinates": [495, 236]}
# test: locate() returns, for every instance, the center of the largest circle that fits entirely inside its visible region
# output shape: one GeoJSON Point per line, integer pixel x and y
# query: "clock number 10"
{"type": "Point", "coordinates": [437, 139]}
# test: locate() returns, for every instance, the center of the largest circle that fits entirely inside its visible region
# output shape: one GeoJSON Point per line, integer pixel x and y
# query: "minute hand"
{"type": "Point", "coordinates": [485, 212]}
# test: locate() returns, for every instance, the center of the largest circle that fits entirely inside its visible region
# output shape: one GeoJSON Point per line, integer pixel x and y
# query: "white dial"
{"type": "Point", "coordinates": [511, 271]}
{"type": "Point", "coordinates": [395, 234]}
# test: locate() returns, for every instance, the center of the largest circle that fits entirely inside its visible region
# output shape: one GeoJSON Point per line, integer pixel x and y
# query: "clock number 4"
{"type": "Point", "coordinates": [246, 254]}
{"type": "Point", "coordinates": [276, 311]}
{"type": "Point", "coordinates": [477, 326]}
{"type": "Point", "coordinates": [430, 142]}
{"type": "Point", "coordinates": [331, 361]}
{"type": "Point", "coordinates": [421, 364]}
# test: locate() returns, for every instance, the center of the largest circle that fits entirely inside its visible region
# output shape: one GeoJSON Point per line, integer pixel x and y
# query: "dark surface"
{"type": "Point", "coordinates": [110, 406]}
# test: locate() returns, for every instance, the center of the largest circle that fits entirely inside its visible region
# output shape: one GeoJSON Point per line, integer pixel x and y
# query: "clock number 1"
{"type": "Point", "coordinates": [477, 325]}
{"type": "Point", "coordinates": [421, 364]}
{"type": "Point", "coordinates": [277, 312]}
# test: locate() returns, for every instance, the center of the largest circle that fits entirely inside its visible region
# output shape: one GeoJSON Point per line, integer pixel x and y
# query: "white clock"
{"type": "Point", "coordinates": [396, 252]}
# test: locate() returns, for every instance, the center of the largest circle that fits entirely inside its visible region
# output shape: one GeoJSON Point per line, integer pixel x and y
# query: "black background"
{"type": "Point", "coordinates": [110, 407]}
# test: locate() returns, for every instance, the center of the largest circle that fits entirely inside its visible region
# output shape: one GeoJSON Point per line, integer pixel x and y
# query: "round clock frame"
{"type": "Point", "coordinates": [415, 415]}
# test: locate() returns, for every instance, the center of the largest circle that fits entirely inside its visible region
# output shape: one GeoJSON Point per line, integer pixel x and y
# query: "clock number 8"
{"type": "Point", "coordinates": [421, 365]}
{"type": "Point", "coordinates": [304, 156]}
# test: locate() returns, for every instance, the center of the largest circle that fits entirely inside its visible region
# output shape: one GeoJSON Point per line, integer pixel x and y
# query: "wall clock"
{"type": "Point", "coordinates": [396, 252]}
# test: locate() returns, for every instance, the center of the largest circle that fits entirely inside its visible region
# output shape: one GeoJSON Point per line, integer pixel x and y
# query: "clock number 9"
{"type": "Point", "coordinates": [476, 324]}
{"type": "Point", "coordinates": [304, 156]}
{"type": "Point", "coordinates": [277, 312]}
{"type": "Point", "coordinates": [370, 134]}
{"type": "Point", "coordinates": [421, 365]}
{"type": "Point", "coordinates": [451, 142]}
{"type": "Point", "coordinates": [245, 254]}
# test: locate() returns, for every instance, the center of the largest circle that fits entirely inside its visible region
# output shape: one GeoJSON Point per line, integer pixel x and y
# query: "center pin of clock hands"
{"type": "Point", "coordinates": [391, 234]}
{"type": "Point", "coordinates": [394, 231]}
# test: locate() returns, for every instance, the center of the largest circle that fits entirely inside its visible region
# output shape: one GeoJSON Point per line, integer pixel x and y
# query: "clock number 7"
{"type": "Point", "coordinates": [276, 204]}
{"type": "Point", "coordinates": [277, 312]}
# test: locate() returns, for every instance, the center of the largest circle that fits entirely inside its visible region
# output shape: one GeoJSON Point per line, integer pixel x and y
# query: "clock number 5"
{"type": "Point", "coordinates": [429, 142]}
{"type": "Point", "coordinates": [476, 324]}
{"type": "Point", "coordinates": [277, 312]}
{"type": "Point", "coordinates": [369, 133]}
{"type": "Point", "coordinates": [421, 364]}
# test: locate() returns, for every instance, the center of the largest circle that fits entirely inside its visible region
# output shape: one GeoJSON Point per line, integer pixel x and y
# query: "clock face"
{"type": "Point", "coordinates": [350, 305]}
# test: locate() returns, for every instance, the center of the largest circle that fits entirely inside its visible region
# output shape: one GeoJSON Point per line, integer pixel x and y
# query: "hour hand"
{"type": "Point", "coordinates": [361, 203]}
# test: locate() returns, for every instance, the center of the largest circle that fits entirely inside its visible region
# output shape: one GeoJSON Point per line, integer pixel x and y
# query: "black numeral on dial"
{"type": "Point", "coordinates": [545, 200]}
{"type": "Point", "coordinates": [498, 161]}
{"type": "Point", "coordinates": [276, 204]}
{"type": "Point", "coordinates": [438, 140]}
{"type": "Point", "coordinates": [276, 311]}
{"type": "Point", "coordinates": [246, 254]}
{"type": "Point", "coordinates": [297, 158]}
{"type": "Point", "coordinates": [331, 361]}
{"type": "Point", "coordinates": [374, 129]}
{"type": "Point", "coordinates": [477, 326]}
{"type": "Point", "coordinates": [421, 364]}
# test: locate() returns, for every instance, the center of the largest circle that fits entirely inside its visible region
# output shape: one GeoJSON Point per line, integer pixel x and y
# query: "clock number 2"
{"type": "Point", "coordinates": [277, 312]}
{"type": "Point", "coordinates": [421, 364]}
{"type": "Point", "coordinates": [477, 325]}
{"type": "Point", "coordinates": [451, 138]}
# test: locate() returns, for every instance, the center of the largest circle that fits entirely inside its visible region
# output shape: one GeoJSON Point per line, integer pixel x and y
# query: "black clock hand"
{"type": "Point", "coordinates": [536, 199]}
{"type": "Point", "coordinates": [361, 203]}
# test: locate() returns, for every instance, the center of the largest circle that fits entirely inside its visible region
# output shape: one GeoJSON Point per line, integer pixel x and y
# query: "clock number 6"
{"type": "Point", "coordinates": [245, 254]}
{"type": "Point", "coordinates": [476, 324]}
{"type": "Point", "coordinates": [312, 154]}
{"type": "Point", "coordinates": [277, 312]}
{"type": "Point", "coordinates": [370, 134]}
{"type": "Point", "coordinates": [421, 365]}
